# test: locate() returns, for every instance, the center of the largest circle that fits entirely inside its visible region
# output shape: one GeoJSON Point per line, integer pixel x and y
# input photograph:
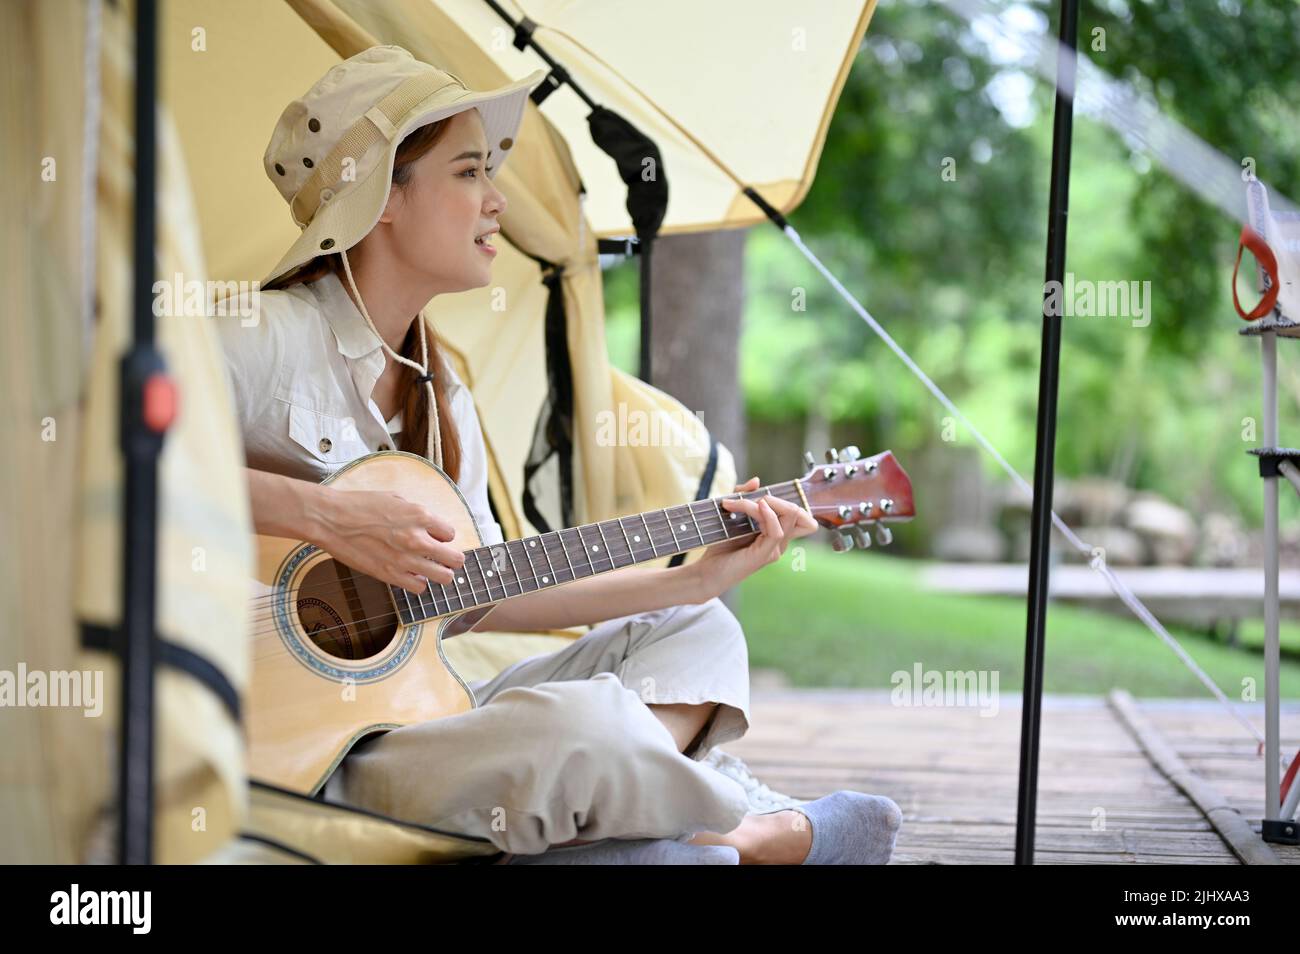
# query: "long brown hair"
{"type": "Point", "coordinates": [415, 418]}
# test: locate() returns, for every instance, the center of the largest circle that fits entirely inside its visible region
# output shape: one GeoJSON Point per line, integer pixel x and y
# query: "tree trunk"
{"type": "Point", "coordinates": [697, 300]}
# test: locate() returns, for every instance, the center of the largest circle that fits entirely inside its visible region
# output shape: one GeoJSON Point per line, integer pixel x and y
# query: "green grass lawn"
{"type": "Point", "coordinates": [853, 619]}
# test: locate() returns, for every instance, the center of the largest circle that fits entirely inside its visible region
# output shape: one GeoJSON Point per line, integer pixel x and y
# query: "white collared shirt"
{"type": "Point", "coordinates": [303, 376]}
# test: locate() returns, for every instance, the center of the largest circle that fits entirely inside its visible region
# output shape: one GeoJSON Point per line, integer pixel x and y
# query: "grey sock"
{"type": "Point", "coordinates": [632, 851]}
{"type": "Point", "coordinates": [851, 828]}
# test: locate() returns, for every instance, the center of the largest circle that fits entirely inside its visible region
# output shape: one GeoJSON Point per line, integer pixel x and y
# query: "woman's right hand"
{"type": "Point", "coordinates": [388, 537]}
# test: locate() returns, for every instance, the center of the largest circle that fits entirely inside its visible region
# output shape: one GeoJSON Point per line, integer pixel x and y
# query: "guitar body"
{"type": "Point", "coordinates": [332, 663]}
{"type": "Point", "coordinates": [338, 656]}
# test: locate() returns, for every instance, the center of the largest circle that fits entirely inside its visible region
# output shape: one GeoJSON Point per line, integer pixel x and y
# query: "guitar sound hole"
{"type": "Point", "coordinates": [345, 614]}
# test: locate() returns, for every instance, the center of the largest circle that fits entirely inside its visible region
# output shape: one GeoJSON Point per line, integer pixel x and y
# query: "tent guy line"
{"type": "Point", "coordinates": [1122, 110]}
{"type": "Point", "coordinates": [1095, 559]}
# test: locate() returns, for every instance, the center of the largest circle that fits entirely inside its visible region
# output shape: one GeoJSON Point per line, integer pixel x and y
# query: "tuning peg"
{"type": "Point", "coordinates": [861, 537]}
{"type": "Point", "coordinates": [840, 541]}
{"type": "Point", "coordinates": [850, 453]}
{"type": "Point", "coordinates": [808, 459]}
{"type": "Point", "coordinates": [832, 456]}
{"type": "Point", "coordinates": [884, 536]}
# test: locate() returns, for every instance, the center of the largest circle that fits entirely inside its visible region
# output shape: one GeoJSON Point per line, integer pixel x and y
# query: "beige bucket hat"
{"type": "Point", "coordinates": [331, 157]}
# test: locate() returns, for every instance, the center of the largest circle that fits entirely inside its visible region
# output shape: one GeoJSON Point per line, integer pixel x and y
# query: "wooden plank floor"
{"type": "Point", "coordinates": [953, 771]}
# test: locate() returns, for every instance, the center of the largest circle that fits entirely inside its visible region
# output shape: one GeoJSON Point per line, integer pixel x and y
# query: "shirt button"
{"type": "Point", "coordinates": [384, 447]}
{"type": "Point", "coordinates": [325, 445]}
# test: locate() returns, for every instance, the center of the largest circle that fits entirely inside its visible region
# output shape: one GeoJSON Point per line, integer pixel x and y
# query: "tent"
{"type": "Point", "coordinates": [225, 70]}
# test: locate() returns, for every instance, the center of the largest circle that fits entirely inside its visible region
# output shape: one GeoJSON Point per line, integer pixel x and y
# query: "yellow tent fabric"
{"type": "Point", "coordinates": [205, 554]}
{"type": "Point", "coordinates": [732, 94]}
{"type": "Point", "coordinates": [42, 278]}
{"type": "Point", "coordinates": [58, 765]}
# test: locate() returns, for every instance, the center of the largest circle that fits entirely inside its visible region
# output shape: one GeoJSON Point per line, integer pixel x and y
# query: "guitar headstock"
{"type": "Point", "coordinates": [848, 495]}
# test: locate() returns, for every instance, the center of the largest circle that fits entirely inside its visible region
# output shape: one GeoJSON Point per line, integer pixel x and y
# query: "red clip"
{"type": "Point", "coordinates": [159, 402]}
{"type": "Point", "coordinates": [1290, 776]}
{"type": "Point", "coordinates": [1264, 255]}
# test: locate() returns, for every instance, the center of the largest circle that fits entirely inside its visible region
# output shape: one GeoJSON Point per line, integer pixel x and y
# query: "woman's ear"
{"type": "Point", "coordinates": [393, 204]}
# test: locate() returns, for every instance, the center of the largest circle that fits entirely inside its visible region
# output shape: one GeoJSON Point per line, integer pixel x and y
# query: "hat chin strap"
{"type": "Point", "coordinates": [434, 447]}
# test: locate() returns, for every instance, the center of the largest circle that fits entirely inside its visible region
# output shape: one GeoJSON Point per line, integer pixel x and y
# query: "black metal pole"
{"type": "Point", "coordinates": [146, 405]}
{"type": "Point", "coordinates": [644, 365]}
{"type": "Point", "coordinates": [1045, 453]}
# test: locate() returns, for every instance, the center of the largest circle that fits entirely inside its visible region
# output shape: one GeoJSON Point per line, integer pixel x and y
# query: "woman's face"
{"type": "Point", "coordinates": [448, 203]}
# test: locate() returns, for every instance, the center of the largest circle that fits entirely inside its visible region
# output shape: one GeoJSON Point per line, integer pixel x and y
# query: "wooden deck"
{"type": "Point", "coordinates": [953, 771]}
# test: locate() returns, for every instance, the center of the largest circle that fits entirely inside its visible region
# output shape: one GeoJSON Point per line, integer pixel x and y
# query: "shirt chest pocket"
{"type": "Point", "coordinates": [329, 439]}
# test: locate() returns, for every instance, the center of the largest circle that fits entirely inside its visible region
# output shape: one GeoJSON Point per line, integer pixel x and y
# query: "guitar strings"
{"type": "Point", "coordinates": [293, 593]}
{"type": "Point", "coordinates": [518, 580]}
{"type": "Point", "coordinates": [554, 548]}
{"type": "Point", "coordinates": [395, 617]}
{"type": "Point", "coordinates": [595, 566]}
{"type": "Point", "coordinates": [613, 554]}
{"type": "Point", "coordinates": [661, 515]}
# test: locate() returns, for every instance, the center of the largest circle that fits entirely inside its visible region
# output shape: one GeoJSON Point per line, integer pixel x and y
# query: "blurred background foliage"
{"type": "Point", "coordinates": [952, 265]}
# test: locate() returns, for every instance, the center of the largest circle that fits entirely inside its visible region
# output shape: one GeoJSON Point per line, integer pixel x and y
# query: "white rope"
{"type": "Point", "coordinates": [434, 447]}
{"type": "Point", "coordinates": [1096, 561]}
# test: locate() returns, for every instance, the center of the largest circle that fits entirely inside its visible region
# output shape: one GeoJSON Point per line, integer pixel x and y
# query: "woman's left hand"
{"type": "Point", "coordinates": [725, 564]}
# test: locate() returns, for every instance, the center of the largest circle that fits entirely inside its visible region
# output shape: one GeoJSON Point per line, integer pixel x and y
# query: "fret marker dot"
{"type": "Point", "coordinates": [460, 579]}
{"type": "Point", "coordinates": [489, 572]}
{"type": "Point", "coordinates": [637, 538]}
{"type": "Point", "coordinates": [681, 526]}
{"type": "Point", "coordinates": [546, 579]}
{"type": "Point", "coordinates": [532, 543]}
{"type": "Point", "coordinates": [594, 549]}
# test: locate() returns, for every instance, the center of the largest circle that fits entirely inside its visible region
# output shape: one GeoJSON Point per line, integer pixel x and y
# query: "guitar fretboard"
{"type": "Point", "coordinates": [501, 570]}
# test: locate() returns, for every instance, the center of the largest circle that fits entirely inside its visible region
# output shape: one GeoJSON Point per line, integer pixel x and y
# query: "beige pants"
{"type": "Point", "coordinates": [562, 745]}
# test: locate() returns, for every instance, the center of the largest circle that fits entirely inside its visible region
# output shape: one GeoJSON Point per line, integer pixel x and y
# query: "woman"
{"type": "Point", "coordinates": [387, 166]}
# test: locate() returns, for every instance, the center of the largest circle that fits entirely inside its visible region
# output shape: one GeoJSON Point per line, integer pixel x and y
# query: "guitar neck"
{"type": "Point", "coordinates": [501, 571]}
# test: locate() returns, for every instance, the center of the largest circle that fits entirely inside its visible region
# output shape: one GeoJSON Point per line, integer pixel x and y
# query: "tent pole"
{"type": "Point", "coordinates": [1272, 651]}
{"type": "Point", "coordinates": [1045, 453]}
{"type": "Point", "coordinates": [147, 404]}
{"type": "Point", "coordinates": [644, 366]}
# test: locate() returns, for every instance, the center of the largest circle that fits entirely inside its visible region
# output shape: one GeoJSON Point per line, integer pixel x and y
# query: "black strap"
{"type": "Point", "coordinates": [279, 846]}
{"type": "Point", "coordinates": [553, 432]}
{"type": "Point", "coordinates": [647, 199]}
{"type": "Point", "coordinates": [524, 32]}
{"type": "Point", "coordinates": [107, 639]}
{"type": "Point", "coordinates": [556, 78]}
{"type": "Point", "coordinates": [624, 246]}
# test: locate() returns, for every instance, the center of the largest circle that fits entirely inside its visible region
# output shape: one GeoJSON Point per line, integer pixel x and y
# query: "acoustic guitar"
{"type": "Point", "coordinates": [338, 655]}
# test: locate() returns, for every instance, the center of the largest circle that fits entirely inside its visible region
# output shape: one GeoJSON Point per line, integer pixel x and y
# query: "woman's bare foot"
{"type": "Point", "coordinates": [776, 838]}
